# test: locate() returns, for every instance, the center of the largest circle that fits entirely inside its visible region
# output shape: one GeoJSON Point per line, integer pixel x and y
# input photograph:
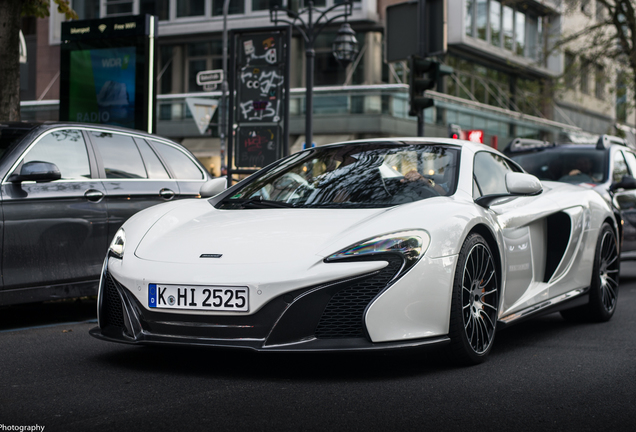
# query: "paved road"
{"type": "Point", "coordinates": [545, 374]}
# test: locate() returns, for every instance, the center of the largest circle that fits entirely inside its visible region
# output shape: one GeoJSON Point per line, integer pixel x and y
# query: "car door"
{"type": "Point", "coordinates": [183, 167]}
{"type": "Point", "coordinates": [132, 182]}
{"type": "Point", "coordinates": [625, 199]}
{"type": "Point", "coordinates": [522, 236]}
{"type": "Point", "coordinates": [54, 231]}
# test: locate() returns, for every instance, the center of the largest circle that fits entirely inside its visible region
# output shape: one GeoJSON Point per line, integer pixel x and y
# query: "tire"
{"type": "Point", "coordinates": [604, 283]}
{"type": "Point", "coordinates": [475, 303]}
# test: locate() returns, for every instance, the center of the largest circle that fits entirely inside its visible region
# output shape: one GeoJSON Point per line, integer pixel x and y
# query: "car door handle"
{"type": "Point", "coordinates": [166, 193]}
{"type": "Point", "coordinates": [94, 195]}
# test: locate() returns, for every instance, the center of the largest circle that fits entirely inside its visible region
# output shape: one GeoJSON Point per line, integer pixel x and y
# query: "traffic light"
{"type": "Point", "coordinates": [454, 131]}
{"type": "Point", "coordinates": [424, 76]}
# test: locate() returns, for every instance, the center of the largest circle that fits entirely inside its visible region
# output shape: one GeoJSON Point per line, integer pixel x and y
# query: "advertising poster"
{"type": "Point", "coordinates": [102, 86]}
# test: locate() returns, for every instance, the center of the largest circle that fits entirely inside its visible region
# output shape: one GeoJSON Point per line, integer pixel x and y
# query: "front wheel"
{"type": "Point", "coordinates": [475, 303]}
{"type": "Point", "coordinates": [604, 283]}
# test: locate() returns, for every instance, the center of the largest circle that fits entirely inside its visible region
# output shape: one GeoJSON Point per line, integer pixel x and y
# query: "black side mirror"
{"type": "Point", "coordinates": [627, 182]}
{"type": "Point", "coordinates": [36, 171]}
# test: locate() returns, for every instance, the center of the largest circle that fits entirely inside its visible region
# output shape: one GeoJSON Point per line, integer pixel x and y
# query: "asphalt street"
{"type": "Point", "coordinates": [543, 375]}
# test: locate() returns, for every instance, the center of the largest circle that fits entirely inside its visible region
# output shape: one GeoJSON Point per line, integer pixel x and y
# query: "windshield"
{"type": "Point", "coordinates": [570, 165]}
{"type": "Point", "coordinates": [357, 176]}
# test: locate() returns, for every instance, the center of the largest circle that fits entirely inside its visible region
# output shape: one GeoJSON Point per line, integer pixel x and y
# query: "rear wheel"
{"type": "Point", "coordinates": [604, 283]}
{"type": "Point", "coordinates": [475, 303]}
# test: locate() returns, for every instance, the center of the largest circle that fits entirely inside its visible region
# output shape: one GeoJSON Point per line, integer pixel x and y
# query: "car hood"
{"type": "Point", "coordinates": [243, 237]}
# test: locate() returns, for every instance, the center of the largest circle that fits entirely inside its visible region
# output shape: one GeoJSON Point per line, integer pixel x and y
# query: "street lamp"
{"type": "Point", "coordinates": [345, 46]}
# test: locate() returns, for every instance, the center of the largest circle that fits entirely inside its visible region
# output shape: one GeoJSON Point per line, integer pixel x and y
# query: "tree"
{"type": "Point", "coordinates": [10, 13]}
{"type": "Point", "coordinates": [610, 34]}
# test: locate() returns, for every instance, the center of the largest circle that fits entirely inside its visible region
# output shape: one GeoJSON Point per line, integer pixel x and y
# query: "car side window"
{"type": "Point", "coordinates": [181, 165]}
{"type": "Point", "coordinates": [620, 167]}
{"type": "Point", "coordinates": [631, 161]}
{"type": "Point", "coordinates": [154, 167]}
{"type": "Point", "coordinates": [120, 155]}
{"type": "Point", "coordinates": [66, 149]}
{"type": "Point", "coordinates": [490, 173]}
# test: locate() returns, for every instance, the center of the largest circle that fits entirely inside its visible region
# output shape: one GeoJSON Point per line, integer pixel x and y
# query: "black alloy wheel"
{"type": "Point", "coordinates": [475, 303]}
{"type": "Point", "coordinates": [604, 283]}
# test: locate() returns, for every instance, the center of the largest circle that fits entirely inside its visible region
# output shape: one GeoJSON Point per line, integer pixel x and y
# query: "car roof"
{"type": "Point", "coordinates": [45, 125]}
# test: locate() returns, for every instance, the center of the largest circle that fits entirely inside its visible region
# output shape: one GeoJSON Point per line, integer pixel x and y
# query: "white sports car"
{"type": "Point", "coordinates": [365, 245]}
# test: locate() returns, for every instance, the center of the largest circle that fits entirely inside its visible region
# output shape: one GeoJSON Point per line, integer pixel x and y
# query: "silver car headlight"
{"type": "Point", "coordinates": [117, 246]}
{"type": "Point", "coordinates": [410, 244]}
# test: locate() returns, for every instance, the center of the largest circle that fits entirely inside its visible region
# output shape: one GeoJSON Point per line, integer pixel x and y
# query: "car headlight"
{"type": "Point", "coordinates": [411, 245]}
{"type": "Point", "coordinates": [118, 244]}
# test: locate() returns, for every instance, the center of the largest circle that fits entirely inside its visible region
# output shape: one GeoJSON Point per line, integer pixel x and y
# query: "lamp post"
{"type": "Point", "coordinates": [345, 46]}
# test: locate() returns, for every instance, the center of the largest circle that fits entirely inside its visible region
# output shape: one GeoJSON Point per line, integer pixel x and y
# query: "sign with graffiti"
{"type": "Point", "coordinates": [260, 91]}
{"type": "Point", "coordinates": [260, 49]}
{"type": "Point", "coordinates": [259, 107]}
{"type": "Point", "coordinates": [257, 146]}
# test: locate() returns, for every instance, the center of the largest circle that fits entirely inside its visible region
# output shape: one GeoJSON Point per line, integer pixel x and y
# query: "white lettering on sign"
{"type": "Point", "coordinates": [111, 62]}
{"type": "Point", "coordinates": [125, 26]}
{"type": "Point", "coordinates": [81, 30]}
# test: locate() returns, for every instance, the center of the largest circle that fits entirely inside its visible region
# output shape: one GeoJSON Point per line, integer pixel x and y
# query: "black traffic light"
{"type": "Point", "coordinates": [422, 78]}
{"type": "Point", "coordinates": [425, 74]}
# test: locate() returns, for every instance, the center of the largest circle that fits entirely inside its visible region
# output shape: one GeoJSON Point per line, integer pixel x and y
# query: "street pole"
{"type": "Point", "coordinates": [309, 33]}
{"type": "Point", "coordinates": [223, 114]}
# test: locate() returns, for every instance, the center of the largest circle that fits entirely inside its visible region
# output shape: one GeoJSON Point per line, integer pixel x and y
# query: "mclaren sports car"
{"type": "Point", "coordinates": [365, 245]}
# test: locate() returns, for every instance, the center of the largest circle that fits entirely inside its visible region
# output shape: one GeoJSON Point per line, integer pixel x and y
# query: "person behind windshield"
{"type": "Point", "coordinates": [582, 173]}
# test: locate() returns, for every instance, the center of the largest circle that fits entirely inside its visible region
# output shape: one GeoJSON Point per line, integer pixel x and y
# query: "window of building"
{"type": "Point", "coordinates": [621, 97]}
{"type": "Point", "coordinates": [569, 71]}
{"type": "Point", "coordinates": [599, 81]}
{"type": "Point", "coordinates": [482, 18]}
{"type": "Point", "coordinates": [468, 21]}
{"type": "Point", "coordinates": [495, 23]}
{"type": "Point", "coordinates": [585, 76]}
{"type": "Point", "coordinates": [202, 56]}
{"type": "Point", "coordinates": [520, 33]}
{"type": "Point", "coordinates": [86, 9]}
{"type": "Point", "coordinates": [160, 8]}
{"type": "Point", "coordinates": [236, 7]}
{"type": "Point", "coordinates": [119, 7]}
{"type": "Point", "coordinates": [508, 27]}
{"type": "Point", "coordinates": [190, 8]}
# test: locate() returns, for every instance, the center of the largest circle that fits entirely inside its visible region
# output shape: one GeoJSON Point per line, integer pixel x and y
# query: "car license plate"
{"type": "Point", "coordinates": [213, 298]}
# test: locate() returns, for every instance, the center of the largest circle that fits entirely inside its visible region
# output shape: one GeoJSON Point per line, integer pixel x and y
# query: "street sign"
{"type": "Point", "coordinates": [210, 77]}
{"type": "Point", "coordinates": [202, 111]}
{"type": "Point", "coordinates": [209, 87]}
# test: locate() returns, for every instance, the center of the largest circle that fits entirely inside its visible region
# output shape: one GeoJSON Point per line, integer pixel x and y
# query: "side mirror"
{"type": "Point", "coordinates": [36, 171]}
{"type": "Point", "coordinates": [213, 187]}
{"type": "Point", "coordinates": [518, 184]}
{"type": "Point", "coordinates": [627, 182]}
{"type": "Point", "coordinates": [523, 184]}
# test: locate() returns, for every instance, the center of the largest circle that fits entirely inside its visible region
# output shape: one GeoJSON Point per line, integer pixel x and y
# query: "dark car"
{"type": "Point", "coordinates": [608, 166]}
{"type": "Point", "coordinates": [66, 189]}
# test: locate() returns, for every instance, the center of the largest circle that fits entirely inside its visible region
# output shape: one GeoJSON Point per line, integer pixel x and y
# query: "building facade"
{"type": "Point", "coordinates": [506, 79]}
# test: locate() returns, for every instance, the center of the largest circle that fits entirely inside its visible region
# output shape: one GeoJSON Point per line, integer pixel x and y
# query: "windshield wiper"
{"type": "Point", "coordinates": [257, 202]}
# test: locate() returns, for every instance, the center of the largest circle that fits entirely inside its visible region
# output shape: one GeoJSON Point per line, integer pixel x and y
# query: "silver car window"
{"type": "Point", "coordinates": [66, 149]}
